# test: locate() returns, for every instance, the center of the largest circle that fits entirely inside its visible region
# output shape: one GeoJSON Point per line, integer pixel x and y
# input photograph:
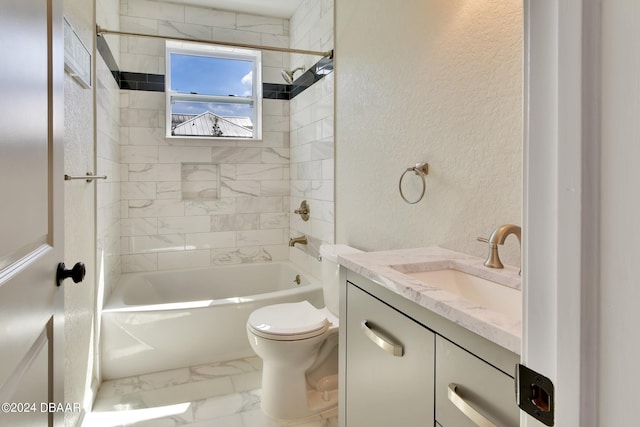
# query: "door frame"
{"type": "Point", "coordinates": [561, 203]}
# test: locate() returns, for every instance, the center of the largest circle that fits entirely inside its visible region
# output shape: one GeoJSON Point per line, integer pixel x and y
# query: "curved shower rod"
{"type": "Point", "coordinates": [328, 54]}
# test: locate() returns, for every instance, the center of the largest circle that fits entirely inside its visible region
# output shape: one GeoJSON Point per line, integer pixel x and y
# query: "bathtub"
{"type": "Point", "coordinates": [166, 320]}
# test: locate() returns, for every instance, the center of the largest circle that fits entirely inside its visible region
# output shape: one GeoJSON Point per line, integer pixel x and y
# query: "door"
{"type": "Point", "coordinates": [31, 211]}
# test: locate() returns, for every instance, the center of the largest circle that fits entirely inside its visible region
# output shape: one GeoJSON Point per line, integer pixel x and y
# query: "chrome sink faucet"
{"type": "Point", "coordinates": [498, 237]}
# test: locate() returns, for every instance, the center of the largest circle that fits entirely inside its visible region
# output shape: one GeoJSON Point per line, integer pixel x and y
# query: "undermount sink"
{"type": "Point", "coordinates": [490, 295]}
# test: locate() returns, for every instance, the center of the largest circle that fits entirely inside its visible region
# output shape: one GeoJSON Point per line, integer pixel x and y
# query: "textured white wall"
{"type": "Point", "coordinates": [437, 81]}
{"type": "Point", "coordinates": [79, 299]}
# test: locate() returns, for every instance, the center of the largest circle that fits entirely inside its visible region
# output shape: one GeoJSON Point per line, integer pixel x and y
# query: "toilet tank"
{"type": "Point", "coordinates": [331, 274]}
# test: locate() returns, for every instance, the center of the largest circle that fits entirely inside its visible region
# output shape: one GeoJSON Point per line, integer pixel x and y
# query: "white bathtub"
{"type": "Point", "coordinates": [167, 320]}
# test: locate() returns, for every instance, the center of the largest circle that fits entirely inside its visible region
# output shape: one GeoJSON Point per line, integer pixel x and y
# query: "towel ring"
{"type": "Point", "coordinates": [420, 169]}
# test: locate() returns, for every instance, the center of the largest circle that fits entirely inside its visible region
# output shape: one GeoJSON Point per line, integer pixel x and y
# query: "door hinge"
{"type": "Point", "coordinates": [535, 394]}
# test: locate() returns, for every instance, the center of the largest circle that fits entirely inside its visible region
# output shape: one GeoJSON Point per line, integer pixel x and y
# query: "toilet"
{"type": "Point", "coordinates": [298, 344]}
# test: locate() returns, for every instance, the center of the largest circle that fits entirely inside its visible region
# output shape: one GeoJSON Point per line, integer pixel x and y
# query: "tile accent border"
{"type": "Point", "coordinates": [105, 53]}
{"type": "Point", "coordinates": [276, 91]}
{"type": "Point", "coordinates": [311, 76]}
{"type": "Point", "coordinates": [128, 80]}
{"type": "Point", "coordinates": [142, 81]}
{"type": "Point", "coordinates": [155, 82]}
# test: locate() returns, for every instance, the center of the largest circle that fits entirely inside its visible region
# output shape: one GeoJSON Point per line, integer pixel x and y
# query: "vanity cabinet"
{"type": "Point", "coordinates": [389, 365]}
{"type": "Point", "coordinates": [440, 371]}
{"type": "Point", "coordinates": [468, 385]}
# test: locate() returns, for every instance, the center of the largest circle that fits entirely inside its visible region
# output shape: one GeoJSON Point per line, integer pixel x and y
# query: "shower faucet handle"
{"type": "Point", "coordinates": [303, 210]}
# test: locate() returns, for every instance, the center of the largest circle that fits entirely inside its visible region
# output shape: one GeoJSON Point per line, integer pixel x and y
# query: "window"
{"type": "Point", "coordinates": [213, 91]}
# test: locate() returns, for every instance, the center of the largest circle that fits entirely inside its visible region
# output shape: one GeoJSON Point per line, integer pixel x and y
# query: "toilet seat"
{"type": "Point", "coordinates": [288, 322]}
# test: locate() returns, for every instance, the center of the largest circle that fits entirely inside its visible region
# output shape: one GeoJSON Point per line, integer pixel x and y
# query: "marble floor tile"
{"type": "Point", "coordinates": [248, 381]}
{"type": "Point", "coordinates": [225, 394]}
{"type": "Point", "coordinates": [257, 418]}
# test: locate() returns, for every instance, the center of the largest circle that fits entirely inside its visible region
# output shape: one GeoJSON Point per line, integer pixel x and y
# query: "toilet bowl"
{"type": "Point", "coordinates": [298, 346]}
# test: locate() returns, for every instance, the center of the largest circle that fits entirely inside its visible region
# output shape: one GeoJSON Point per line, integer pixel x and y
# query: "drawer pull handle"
{"type": "Point", "coordinates": [391, 348]}
{"type": "Point", "coordinates": [475, 416]}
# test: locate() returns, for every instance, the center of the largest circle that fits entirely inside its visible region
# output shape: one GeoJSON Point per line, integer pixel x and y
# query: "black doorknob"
{"type": "Point", "coordinates": [76, 273]}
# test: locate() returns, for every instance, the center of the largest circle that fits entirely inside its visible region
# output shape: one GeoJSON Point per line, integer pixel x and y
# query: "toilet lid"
{"type": "Point", "coordinates": [290, 319]}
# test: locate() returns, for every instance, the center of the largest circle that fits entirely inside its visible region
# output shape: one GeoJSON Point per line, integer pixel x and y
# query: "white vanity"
{"type": "Point", "coordinates": [428, 337]}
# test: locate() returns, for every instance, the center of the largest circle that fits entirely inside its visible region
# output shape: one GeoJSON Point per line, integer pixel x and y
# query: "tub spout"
{"type": "Point", "coordinates": [302, 240]}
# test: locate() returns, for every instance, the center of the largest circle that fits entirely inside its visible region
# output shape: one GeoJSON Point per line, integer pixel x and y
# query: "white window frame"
{"type": "Point", "coordinates": [216, 51]}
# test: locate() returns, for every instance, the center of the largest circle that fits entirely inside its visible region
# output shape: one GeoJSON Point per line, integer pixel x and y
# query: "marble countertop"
{"type": "Point", "coordinates": [386, 268]}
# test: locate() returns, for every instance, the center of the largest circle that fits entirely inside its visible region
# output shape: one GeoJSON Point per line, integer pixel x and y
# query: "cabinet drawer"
{"type": "Point", "coordinates": [484, 388]}
{"type": "Point", "coordinates": [386, 388]}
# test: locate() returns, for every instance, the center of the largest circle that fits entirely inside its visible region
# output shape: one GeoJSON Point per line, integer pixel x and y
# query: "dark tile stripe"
{"type": "Point", "coordinates": [312, 75]}
{"type": "Point", "coordinates": [105, 52]}
{"type": "Point", "coordinates": [275, 91]}
{"type": "Point", "coordinates": [142, 81]}
{"type": "Point", "coordinates": [155, 82]}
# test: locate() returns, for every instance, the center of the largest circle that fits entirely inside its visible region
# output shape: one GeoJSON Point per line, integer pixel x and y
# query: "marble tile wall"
{"type": "Point", "coordinates": [311, 136]}
{"type": "Point", "coordinates": [165, 223]}
{"type": "Point", "coordinates": [311, 27]}
{"type": "Point", "coordinates": [107, 191]}
{"type": "Point", "coordinates": [145, 55]}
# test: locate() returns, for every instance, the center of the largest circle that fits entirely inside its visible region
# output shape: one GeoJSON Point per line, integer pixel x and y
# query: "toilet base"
{"type": "Point", "coordinates": [318, 402]}
{"type": "Point", "coordinates": [322, 401]}
{"type": "Point", "coordinates": [294, 398]}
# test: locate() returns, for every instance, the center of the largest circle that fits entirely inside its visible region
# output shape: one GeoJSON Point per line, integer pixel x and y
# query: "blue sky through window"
{"type": "Point", "coordinates": [211, 76]}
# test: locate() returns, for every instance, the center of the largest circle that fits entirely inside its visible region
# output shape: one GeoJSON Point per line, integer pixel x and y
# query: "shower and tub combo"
{"type": "Point", "coordinates": [173, 319]}
{"type": "Point", "coordinates": [168, 320]}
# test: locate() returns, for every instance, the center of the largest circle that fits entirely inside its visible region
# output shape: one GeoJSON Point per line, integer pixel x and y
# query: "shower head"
{"type": "Point", "coordinates": [288, 75]}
